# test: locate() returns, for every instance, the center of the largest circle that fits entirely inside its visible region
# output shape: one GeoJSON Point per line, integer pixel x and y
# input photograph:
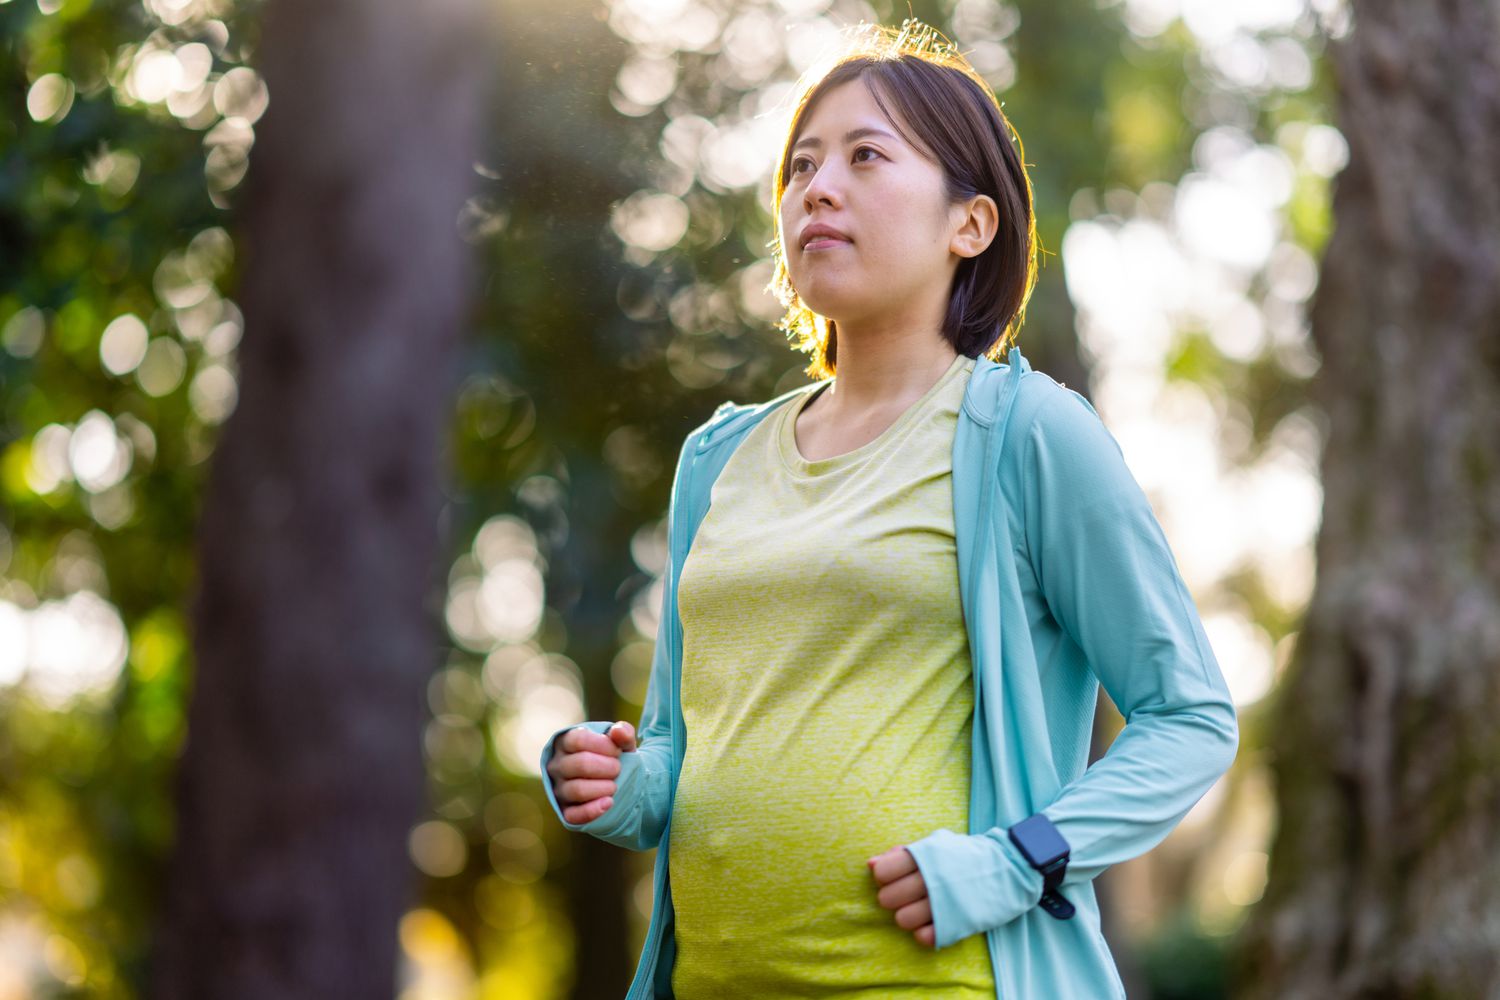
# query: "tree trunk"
{"type": "Point", "coordinates": [1383, 872]}
{"type": "Point", "coordinates": [317, 610]}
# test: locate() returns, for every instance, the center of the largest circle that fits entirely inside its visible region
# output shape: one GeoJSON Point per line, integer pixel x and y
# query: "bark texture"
{"type": "Point", "coordinates": [1384, 880]}
{"type": "Point", "coordinates": [317, 609]}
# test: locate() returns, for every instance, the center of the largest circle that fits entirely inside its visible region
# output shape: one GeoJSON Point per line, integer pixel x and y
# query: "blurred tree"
{"type": "Point", "coordinates": [302, 772]}
{"type": "Point", "coordinates": [1382, 880]}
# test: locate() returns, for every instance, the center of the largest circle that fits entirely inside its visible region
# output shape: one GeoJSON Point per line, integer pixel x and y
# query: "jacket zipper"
{"type": "Point", "coordinates": [994, 442]}
{"type": "Point", "coordinates": [645, 978]}
{"type": "Point", "coordinates": [984, 538]}
{"type": "Point", "coordinates": [985, 535]}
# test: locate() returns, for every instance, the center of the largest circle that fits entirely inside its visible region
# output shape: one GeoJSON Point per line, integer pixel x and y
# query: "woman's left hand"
{"type": "Point", "coordinates": [902, 890]}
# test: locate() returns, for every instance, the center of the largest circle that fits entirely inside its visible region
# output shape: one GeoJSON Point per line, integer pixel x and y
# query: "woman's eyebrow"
{"type": "Point", "coordinates": [849, 136]}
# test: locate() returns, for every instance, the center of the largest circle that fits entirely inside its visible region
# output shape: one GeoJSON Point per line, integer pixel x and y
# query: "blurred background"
{"type": "Point", "coordinates": [523, 248]}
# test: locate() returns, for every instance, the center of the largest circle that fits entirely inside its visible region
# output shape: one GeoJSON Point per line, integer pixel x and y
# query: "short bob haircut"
{"type": "Point", "coordinates": [960, 125]}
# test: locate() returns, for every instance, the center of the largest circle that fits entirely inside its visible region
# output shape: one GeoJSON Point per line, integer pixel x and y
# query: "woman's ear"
{"type": "Point", "coordinates": [977, 219]}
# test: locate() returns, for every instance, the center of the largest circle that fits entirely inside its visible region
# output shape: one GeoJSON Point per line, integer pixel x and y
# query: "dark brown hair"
{"type": "Point", "coordinates": [959, 123]}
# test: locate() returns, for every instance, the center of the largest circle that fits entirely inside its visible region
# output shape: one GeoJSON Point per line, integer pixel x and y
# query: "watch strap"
{"type": "Point", "coordinates": [1045, 849]}
{"type": "Point", "coordinates": [1053, 901]}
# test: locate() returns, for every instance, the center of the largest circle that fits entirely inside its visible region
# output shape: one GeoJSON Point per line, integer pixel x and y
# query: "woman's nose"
{"type": "Point", "coordinates": [822, 189]}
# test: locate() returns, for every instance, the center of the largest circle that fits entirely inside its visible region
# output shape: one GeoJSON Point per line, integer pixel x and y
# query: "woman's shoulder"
{"type": "Point", "coordinates": [1056, 426]}
{"type": "Point", "coordinates": [731, 419]}
{"type": "Point", "coordinates": [1041, 397]}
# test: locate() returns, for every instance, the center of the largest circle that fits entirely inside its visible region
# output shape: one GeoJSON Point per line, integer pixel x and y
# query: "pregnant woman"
{"type": "Point", "coordinates": [890, 599]}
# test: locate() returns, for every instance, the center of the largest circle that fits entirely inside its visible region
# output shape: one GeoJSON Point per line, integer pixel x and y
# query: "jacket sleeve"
{"type": "Point", "coordinates": [643, 789]}
{"type": "Point", "coordinates": [1113, 585]}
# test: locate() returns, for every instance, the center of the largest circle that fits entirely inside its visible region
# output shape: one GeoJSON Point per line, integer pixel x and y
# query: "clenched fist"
{"type": "Point", "coordinates": [903, 890]}
{"type": "Point", "coordinates": [584, 768]}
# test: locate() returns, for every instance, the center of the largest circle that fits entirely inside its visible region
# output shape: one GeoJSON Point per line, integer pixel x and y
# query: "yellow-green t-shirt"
{"type": "Point", "coordinates": [827, 696]}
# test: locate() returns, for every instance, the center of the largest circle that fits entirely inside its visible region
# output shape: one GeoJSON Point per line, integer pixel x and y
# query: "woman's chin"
{"type": "Point", "coordinates": [834, 305]}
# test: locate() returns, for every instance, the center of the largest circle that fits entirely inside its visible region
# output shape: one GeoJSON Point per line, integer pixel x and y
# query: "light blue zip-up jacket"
{"type": "Point", "coordinates": [1066, 582]}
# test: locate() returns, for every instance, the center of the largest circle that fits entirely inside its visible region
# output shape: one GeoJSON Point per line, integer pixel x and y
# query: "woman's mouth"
{"type": "Point", "coordinates": [822, 236]}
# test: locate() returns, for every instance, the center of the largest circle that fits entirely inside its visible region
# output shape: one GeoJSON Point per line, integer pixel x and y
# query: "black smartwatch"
{"type": "Point", "coordinates": [1046, 851]}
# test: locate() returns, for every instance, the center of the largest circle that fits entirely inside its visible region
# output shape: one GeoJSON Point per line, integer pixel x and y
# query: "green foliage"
{"type": "Point", "coordinates": [93, 200]}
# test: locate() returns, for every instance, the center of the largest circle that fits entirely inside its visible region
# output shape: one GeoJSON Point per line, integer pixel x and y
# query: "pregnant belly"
{"type": "Point", "coordinates": [770, 888]}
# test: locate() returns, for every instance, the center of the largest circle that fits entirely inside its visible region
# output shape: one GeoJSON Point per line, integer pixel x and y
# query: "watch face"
{"type": "Point", "coordinates": [1039, 838]}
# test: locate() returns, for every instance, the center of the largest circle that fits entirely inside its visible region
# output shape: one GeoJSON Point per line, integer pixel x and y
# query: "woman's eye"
{"type": "Point", "coordinates": [801, 161]}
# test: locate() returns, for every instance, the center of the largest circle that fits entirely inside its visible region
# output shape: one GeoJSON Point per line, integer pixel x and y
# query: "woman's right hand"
{"type": "Point", "coordinates": [584, 768]}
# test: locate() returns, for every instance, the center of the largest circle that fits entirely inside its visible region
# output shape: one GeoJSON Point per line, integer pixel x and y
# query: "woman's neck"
{"type": "Point", "coordinates": [874, 377]}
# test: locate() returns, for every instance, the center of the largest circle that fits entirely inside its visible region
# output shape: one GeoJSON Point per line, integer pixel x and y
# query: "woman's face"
{"type": "Point", "coordinates": [849, 169]}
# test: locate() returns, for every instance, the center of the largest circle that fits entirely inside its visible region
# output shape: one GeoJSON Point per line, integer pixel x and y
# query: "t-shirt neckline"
{"type": "Point", "coordinates": [792, 457]}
